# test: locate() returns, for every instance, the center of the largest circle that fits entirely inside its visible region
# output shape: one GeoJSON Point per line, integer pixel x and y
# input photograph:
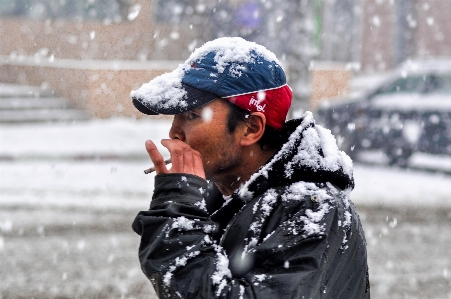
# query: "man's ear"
{"type": "Point", "coordinates": [255, 127]}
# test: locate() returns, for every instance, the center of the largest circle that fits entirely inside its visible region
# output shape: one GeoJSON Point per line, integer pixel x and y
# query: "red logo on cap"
{"type": "Point", "coordinates": [273, 103]}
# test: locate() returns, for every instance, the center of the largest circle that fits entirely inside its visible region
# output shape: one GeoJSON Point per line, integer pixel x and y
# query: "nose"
{"type": "Point", "coordinates": [176, 131]}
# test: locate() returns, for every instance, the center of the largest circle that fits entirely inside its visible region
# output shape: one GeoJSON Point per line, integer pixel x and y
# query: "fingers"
{"type": "Point", "coordinates": [184, 158]}
{"type": "Point", "coordinates": [156, 157]}
{"type": "Point", "coordinates": [198, 165]}
{"type": "Point", "coordinates": [178, 151]}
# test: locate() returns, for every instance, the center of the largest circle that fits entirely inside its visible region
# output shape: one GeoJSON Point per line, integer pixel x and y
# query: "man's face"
{"type": "Point", "coordinates": [205, 130]}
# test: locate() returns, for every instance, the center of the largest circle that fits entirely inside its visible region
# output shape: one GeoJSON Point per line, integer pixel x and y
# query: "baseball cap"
{"type": "Point", "coordinates": [242, 72]}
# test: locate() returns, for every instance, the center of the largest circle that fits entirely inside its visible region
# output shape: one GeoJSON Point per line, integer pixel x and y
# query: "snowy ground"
{"type": "Point", "coordinates": [107, 159]}
{"type": "Point", "coordinates": [69, 192]}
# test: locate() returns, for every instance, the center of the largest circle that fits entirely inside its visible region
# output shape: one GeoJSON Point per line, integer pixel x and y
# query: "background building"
{"type": "Point", "coordinates": [92, 50]}
{"type": "Point", "coordinates": [380, 34]}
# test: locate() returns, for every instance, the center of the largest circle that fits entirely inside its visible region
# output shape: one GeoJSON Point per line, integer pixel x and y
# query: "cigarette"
{"type": "Point", "coordinates": [152, 169]}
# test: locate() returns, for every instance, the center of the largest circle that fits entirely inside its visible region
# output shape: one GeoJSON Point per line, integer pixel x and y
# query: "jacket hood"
{"type": "Point", "coordinates": [310, 154]}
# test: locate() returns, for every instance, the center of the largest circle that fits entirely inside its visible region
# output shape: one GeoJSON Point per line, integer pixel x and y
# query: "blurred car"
{"type": "Point", "coordinates": [409, 111]}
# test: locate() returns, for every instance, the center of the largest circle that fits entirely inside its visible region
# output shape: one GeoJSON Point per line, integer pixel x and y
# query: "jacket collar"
{"type": "Point", "coordinates": [310, 154]}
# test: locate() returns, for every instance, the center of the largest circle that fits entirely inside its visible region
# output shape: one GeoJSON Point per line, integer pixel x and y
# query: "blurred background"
{"type": "Point", "coordinates": [377, 73]}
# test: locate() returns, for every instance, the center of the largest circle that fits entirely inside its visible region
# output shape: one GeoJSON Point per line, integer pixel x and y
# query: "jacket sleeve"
{"type": "Point", "coordinates": [177, 252]}
{"type": "Point", "coordinates": [180, 258]}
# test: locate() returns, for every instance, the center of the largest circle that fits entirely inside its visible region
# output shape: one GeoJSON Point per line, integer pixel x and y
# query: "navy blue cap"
{"type": "Point", "coordinates": [243, 72]}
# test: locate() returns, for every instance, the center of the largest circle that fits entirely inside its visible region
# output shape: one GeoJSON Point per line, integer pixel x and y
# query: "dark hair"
{"type": "Point", "coordinates": [271, 139]}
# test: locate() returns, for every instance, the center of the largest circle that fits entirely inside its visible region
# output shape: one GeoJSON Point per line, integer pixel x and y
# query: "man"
{"type": "Point", "coordinates": [281, 225]}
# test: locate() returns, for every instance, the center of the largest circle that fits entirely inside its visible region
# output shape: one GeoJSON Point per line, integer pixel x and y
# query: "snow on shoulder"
{"type": "Point", "coordinates": [311, 146]}
{"type": "Point", "coordinates": [314, 138]}
{"type": "Point", "coordinates": [166, 90]}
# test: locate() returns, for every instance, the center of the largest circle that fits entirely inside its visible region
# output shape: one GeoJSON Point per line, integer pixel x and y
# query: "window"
{"type": "Point", "coordinates": [171, 11]}
{"type": "Point", "coordinates": [414, 84]}
{"type": "Point", "coordinates": [441, 84]}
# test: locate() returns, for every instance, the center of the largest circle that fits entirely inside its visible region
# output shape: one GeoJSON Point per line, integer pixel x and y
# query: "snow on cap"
{"type": "Point", "coordinates": [242, 72]}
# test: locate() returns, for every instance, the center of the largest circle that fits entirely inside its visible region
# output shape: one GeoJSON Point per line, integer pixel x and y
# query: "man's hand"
{"type": "Point", "coordinates": [184, 158]}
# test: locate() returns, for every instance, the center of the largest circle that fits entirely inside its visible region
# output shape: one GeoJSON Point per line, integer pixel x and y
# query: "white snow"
{"type": "Point", "coordinates": [242, 289]}
{"type": "Point", "coordinates": [180, 262]}
{"type": "Point", "coordinates": [183, 223]}
{"type": "Point", "coordinates": [167, 279]}
{"type": "Point", "coordinates": [379, 185]}
{"type": "Point", "coordinates": [268, 201]}
{"type": "Point", "coordinates": [166, 86]}
{"type": "Point", "coordinates": [222, 270]}
{"type": "Point", "coordinates": [299, 190]}
{"type": "Point", "coordinates": [114, 137]}
{"type": "Point", "coordinates": [407, 102]}
{"type": "Point", "coordinates": [201, 204]}
{"type": "Point", "coordinates": [230, 49]}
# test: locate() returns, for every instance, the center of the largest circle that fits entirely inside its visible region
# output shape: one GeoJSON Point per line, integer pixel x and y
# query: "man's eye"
{"type": "Point", "coordinates": [192, 115]}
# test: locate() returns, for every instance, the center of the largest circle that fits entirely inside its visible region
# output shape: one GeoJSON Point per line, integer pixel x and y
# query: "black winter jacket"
{"type": "Point", "coordinates": [289, 232]}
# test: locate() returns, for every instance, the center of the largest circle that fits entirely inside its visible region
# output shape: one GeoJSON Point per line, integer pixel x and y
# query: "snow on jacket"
{"type": "Point", "coordinates": [289, 232]}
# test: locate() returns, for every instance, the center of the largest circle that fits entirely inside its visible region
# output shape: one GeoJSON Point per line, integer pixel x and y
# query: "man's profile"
{"type": "Point", "coordinates": [253, 206]}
